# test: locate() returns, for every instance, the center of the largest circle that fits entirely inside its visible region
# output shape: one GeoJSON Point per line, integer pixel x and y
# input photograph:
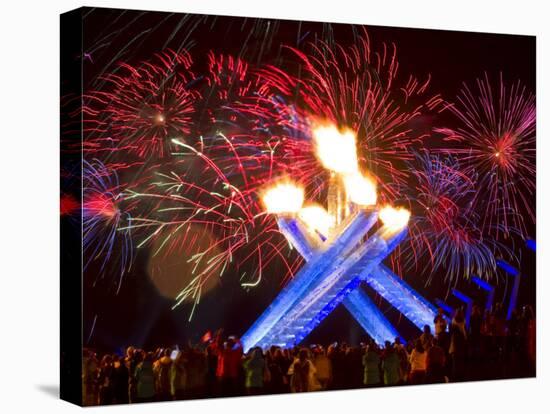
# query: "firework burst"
{"type": "Point", "coordinates": [446, 232]}
{"type": "Point", "coordinates": [243, 104]}
{"type": "Point", "coordinates": [102, 221]}
{"type": "Point", "coordinates": [496, 139]}
{"type": "Point", "coordinates": [141, 108]}
{"type": "Point", "coordinates": [216, 188]}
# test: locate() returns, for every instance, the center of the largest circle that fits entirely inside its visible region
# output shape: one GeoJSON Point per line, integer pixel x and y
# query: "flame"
{"type": "Point", "coordinates": [283, 198]}
{"type": "Point", "coordinates": [394, 219]}
{"type": "Point", "coordinates": [317, 218]}
{"type": "Point", "coordinates": [336, 149]}
{"type": "Point", "coordinates": [360, 189]}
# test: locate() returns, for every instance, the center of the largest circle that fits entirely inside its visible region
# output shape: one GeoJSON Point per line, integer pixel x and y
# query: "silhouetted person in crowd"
{"type": "Point", "coordinates": [426, 336]}
{"type": "Point", "coordinates": [500, 332]}
{"type": "Point", "coordinates": [371, 366]}
{"type": "Point", "coordinates": [476, 323]}
{"type": "Point", "coordinates": [458, 346]}
{"type": "Point", "coordinates": [440, 322]}
{"type": "Point", "coordinates": [323, 366]}
{"type": "Point", "coordinates": [302, 372]}
{"type": "Point", "coordinates": [196, 368]}
{"type": "Point", "coordinates": [255, 371]}
{"type": "Point", "coordinates": [418, 364]}
{"type": "Point", "coordinates": [105, 381]}
{"type": "Point", "coordinates": [211, 366]}
{"type": "Point", "coordinates": [120, 378]}
{"type": "Point", "coordinates": [358, 372]}
{"type": "Point", "coordinates": [178, 377]}
{"type": "Point", "coordinates": [278, 367]}
{"type": "Point", "coordinates": [90, 367]}
{"type": "Point", "coordinates": [337, 357]}
{"type": "Point", "coordinates": [529, 324]}
{"type": "Point", "coordinates": [131, 361]}
{"type": "Point", "coordinates": [390, 365]}
{"type": "Point", "coordinates": [404, 365]}
{"type": "Point", "coordinates": [145, 379]}
{"type": "Point", "coordinates": [229, 355]}
{"type": "Point", "coordinates": [162, 368]}
{"type": "Point", "coordinates": [435, 363]}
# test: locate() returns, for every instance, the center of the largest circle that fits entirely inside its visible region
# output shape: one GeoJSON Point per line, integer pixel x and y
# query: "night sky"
{"type": "Point", "coordinates": [138, 314]}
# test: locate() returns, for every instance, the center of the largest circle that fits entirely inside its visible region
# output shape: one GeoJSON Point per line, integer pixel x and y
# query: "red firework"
{"type": "Point", "coordinates": [496, 138]}
{"type": "Point", "coordinates": [446, 232]}
{"type": "Point", "coordinates": [244, 105]}
{"type": "Point", "coordinates": [215, 189]}
{"type": "Point", "coordinates": [140, 108]}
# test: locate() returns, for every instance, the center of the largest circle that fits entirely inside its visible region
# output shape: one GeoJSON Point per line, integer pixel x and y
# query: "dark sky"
{"type": "Point", "coordinates": [138, 314]}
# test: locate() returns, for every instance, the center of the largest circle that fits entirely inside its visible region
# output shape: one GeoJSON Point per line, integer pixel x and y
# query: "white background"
{"type": "Point", "coordinates": [29, 236]}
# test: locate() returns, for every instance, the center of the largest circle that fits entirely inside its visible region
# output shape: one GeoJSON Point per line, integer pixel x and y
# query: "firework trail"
{"type": "Point", "coordinates": [243, 103]}
{"type": "Point", "coordinates": [218, 193]}
{"type": "Point", "coordinates": [446, 232]}
{"type": "Point", "coordinates": [497, 139]}
{"type": "Point", "coordinates": [102, 221]}
{"type": "Point", "coordinates": [141, 108]}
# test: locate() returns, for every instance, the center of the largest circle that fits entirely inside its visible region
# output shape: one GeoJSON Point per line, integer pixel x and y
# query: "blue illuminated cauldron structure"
{"type": "Point", "coordinates": [333, 273]}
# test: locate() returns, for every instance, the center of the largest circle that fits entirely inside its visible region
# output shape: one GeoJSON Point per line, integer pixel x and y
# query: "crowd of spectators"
{"type": "Point", "coordinates": [490, 346]}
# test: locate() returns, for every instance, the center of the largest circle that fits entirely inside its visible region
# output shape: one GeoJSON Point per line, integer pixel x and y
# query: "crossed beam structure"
{"type": "Point", "coordinates": [333, 272]}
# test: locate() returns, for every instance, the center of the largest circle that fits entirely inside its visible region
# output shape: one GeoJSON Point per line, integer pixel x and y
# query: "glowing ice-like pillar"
{"type": "Point", "coordinates": [299, 237]}
{"type": "Point", "coordinates": [357, 302]}
{"type": "Point", "coordinates": [371, 319]}
{"type": "Point", "coordinates": [401, 296]}
{"type": "Point", "coordinates": [390, 286]}
{"type": "Point", "coordinates": [387, 284]}
{"type": "Point", "coordinates": [319, 301]}
{"type": "Point", "coordinates": [325, 261]}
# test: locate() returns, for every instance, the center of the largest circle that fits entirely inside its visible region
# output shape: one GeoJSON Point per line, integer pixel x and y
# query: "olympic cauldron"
{"type": "Point", "coordinates": [342, 248]}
